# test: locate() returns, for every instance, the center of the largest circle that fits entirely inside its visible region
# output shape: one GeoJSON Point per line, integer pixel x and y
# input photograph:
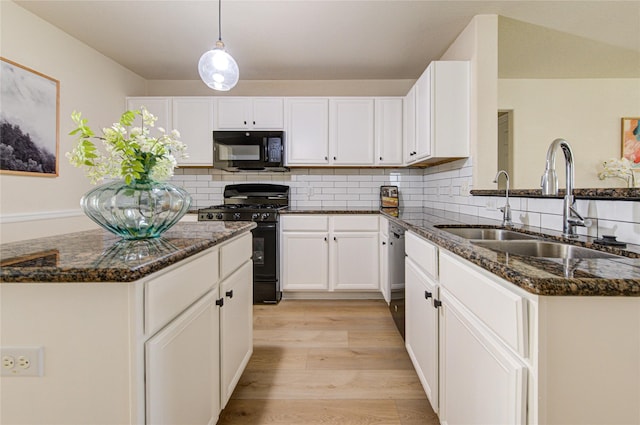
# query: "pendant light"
{"type": "Point", "coordinates": [217, 68]}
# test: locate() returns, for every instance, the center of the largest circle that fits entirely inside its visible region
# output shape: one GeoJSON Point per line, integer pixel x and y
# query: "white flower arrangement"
{"type": "Point", "coordinates": [129, 153]}
{"type": "Point", "coordinates": [618, 168]}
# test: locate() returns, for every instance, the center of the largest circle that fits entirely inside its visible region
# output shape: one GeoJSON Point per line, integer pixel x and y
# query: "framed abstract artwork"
{"type": "Point", "coordinates": [631, 141]}
{"type": "Point", "coordinates": [29, 121]}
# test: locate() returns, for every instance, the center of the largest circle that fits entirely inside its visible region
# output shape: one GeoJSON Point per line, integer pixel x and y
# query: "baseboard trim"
{"type": "Point", "coordinates": [320, 295]}
{"type": "Point", "coordinates": [38, 216]}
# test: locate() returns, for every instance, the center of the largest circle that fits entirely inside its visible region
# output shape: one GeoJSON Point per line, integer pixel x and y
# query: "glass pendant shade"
{"type": "Point", "coordinates": [218, 69]}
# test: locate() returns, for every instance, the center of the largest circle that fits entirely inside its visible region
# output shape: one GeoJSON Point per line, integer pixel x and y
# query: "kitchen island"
{"type": "Point", "coordinates": [127, 332]}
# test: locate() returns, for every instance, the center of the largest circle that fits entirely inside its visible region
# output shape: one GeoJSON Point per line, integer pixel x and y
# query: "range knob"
{"type": "Point", "coordinates": [265, 216]}
{"type": "Point", "coordinates": [219, 216]}
{"type": "Point", "coordinates": [236, 216]}
{"type": "Point", "coordinates": [209, 216]}
{"type": "Point", "coordinates": [255, 216]}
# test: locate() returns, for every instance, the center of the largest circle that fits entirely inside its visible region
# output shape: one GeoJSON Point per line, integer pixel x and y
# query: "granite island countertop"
{"type": "Point", "coordinates": [99, 256]}
{"type": "Point", "coordinates": [542, 276]}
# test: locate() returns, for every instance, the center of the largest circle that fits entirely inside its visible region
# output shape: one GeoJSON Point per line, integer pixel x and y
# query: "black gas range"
{"type": "Point", "coordinates": [259, 203]}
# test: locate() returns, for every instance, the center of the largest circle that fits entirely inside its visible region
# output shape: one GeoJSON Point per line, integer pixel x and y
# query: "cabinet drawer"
{"type": "Point", "coordinates": [234, 254]}
{"type": "Point", "coordinates": [423, 253]}
{"type": "Point", "coordinates": [305, 223]}
{"type": "Point", "coordinates": [169, 294]}
{"type": "Point", "coordinates": [355, 223]}
{"type": "Point", "coordinates": [502, 311]}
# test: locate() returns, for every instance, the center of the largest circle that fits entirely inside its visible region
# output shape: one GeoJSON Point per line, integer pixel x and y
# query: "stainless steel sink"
{"type": "Point", "coordinates": [485, 234]}
{"type": "Point", "coordinates": [545, 249]}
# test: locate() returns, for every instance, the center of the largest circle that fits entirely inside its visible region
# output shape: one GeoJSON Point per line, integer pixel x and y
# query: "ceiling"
{"type": "Point", "coordinates": [315, 40]}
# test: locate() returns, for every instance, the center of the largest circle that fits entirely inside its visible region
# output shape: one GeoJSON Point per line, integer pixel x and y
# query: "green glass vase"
{"type": "Point", "coordinates": [142, 209]}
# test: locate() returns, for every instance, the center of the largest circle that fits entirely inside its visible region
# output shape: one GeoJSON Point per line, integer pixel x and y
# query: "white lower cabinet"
{"type": "Point", "coordinates": [421, 312]}
{"type": "Point", "coordinates": [236, 328]}
{"type": "Point", "coordinates": [330, 252]}
{"type": "Point", "coordinates": [481, 382]}
{"type": "Point", "coordinates": [182, 368]}
{"type": "Point", "coordinates": [421, 328]}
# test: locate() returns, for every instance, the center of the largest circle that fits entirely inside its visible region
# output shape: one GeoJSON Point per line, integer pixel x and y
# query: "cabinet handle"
{"type": "Point", "coordinates": [334, 238]}
{"type": "Point", "coordinates": [325, 239]}
{"type": "Point", "coordinates": [427, 295]}
{"type": "Point", "coordinates": [436, 303]}
{"type": "Point", "coordinates": [334, 158]}
{"type": "Point", "coordinates": [229, 293]}
{"type": "Point", "coordinates": [380, 158]}
{"type": "Point", "coordinates": [326, 158]}
{"type": "Point", "coordinates": [220, 302]}
{"type": "Point", "coordinates": [384, 243]}
{"type": "Point", "coordinates": [245, 123]}
{"type": "Point", "coordinates": [254, 123]}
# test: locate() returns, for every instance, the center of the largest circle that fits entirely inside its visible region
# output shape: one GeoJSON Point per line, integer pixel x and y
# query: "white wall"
{"type": "Point", "coordinates": [585, 112]}
{"type": "Point", "coordinates": [283, 88]}
{"type": "Point", "coordinates": [90, 83]}
{"type": "Point", "coordinates": [478, 43]}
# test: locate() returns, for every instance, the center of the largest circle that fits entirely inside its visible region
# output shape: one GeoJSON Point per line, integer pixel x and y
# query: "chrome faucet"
{"type": "Point", "coordinates": [506, 210]}
{"type": "Point", "coordinates": [549, 183]}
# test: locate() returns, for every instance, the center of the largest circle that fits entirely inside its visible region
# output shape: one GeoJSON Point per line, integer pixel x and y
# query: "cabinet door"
{"type": "Point", "coordinates": [305, 257]}
{"type": "Point", "coordinates": [388, 132]}
{"type": "Point", "coordinates": [480, 381]}
{"type": "Point", "coordinates": [158, 106]}
{"type": "Point", "coordinates": [233, 113]}
{"type": "Point", "coordinates": [193, 117]}
{"type": "Point", "coordinates": [182, 368]}
{"type": "Point", "coordinates": [236, 328]}
{"type": "Point", "coordinates": [355, 261]}
{"type": "Point", "coordinates": [421, 328]}
{"type": "Point", "coordinates": [351, 124]}
{"type": "Point", "coordinates": [423, 115]}
{"type": "Point", "coordinates": [307, 137]}
{"type": "Point", "coordinates": [268, 113]}
{"type": "Point", "coordinates": [409, 117]}
{"type": "Point", "coordinates": [385, 285]}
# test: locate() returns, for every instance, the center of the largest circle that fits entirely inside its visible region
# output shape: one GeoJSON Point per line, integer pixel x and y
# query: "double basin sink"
{"type": "Point", "coordinates": [513, 242]}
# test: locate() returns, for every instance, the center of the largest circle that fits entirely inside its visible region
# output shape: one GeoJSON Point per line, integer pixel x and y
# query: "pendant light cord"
{"type": "Point", "coordinates": [219, 20]}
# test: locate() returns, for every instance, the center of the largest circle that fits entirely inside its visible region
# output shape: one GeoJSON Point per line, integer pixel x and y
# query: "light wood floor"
{"type": "Point", "coordinates": [328, 362]}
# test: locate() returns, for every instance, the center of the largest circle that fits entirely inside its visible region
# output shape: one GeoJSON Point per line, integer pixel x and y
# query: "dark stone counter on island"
{"type": "Point", "coordinates": [99, 256]}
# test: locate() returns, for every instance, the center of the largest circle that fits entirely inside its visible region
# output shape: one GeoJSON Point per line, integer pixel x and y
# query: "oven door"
{"type": "Point", "coordinates": [266, 285]}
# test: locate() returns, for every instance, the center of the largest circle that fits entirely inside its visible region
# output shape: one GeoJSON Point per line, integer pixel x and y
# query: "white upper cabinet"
{"type": "Point", "coordinates": [388, 131]}
{"type": "Point", "coordinates": [192, 116]}
{"type": "Point", "coordinates": [307, 131]}
{"type": "Point", "coordinates": [351, 126]}
{"type": "Point", "coordinates": [409, 125]}
{"type": "Point", "coordinates": [242, 113]}
{"type": "Point", "coordinates": [158, 106]}
{"type": "Point", "coordinates": [441, 113]}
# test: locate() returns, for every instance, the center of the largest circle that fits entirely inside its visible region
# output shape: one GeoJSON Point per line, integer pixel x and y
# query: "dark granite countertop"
{"type": "Point", "coordinates": [99, 256]}
{"type": "Point", "coordinates": [541, 276]}
{"type": "Point", "coordinates": [609, 194]}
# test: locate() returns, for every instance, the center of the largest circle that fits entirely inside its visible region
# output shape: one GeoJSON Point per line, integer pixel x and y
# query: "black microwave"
{"type": "Point", "coordinates": [249, 150]}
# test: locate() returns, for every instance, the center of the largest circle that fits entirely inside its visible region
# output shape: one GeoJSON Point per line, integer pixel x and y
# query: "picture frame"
{"type": "Point", "coordinates": [631, 140]}
{"type": "Point", "coordinates": [29, 121]}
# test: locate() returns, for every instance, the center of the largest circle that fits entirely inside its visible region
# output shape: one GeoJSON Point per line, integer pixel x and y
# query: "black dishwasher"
{"type": "Point", "coordinates": [396, 275]}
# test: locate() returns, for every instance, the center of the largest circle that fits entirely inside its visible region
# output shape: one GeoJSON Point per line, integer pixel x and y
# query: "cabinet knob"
{"type": "Point", "coordinates": [229, 293]}
{"type": "Point", "coordinates": [254, 123]}
{"type": "Point", "coordinates": [380, 158]}
{"type": "Point", "coordinates": [326, 158]}
{"type": "Point", "coordinates": [437, 303]}
{"type": "Point", "coordinates": [220, 302]}
{"type": "Point", "coordinates": [427, 295]}
{"type": "Point", "coordinates": [334, 238]}
{"type": "Point", "coordinates": [245, 123]}
{"type": "Point", "coordinates": [325, 239]}
{"type": "Point", "coordinates": [334, 158]}
{"type": "Point", "coordinates": [384, 243]}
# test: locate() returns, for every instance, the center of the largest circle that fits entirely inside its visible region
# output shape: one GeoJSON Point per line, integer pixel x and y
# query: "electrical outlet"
{"type": "Point", "coordinates": [22, 361]}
